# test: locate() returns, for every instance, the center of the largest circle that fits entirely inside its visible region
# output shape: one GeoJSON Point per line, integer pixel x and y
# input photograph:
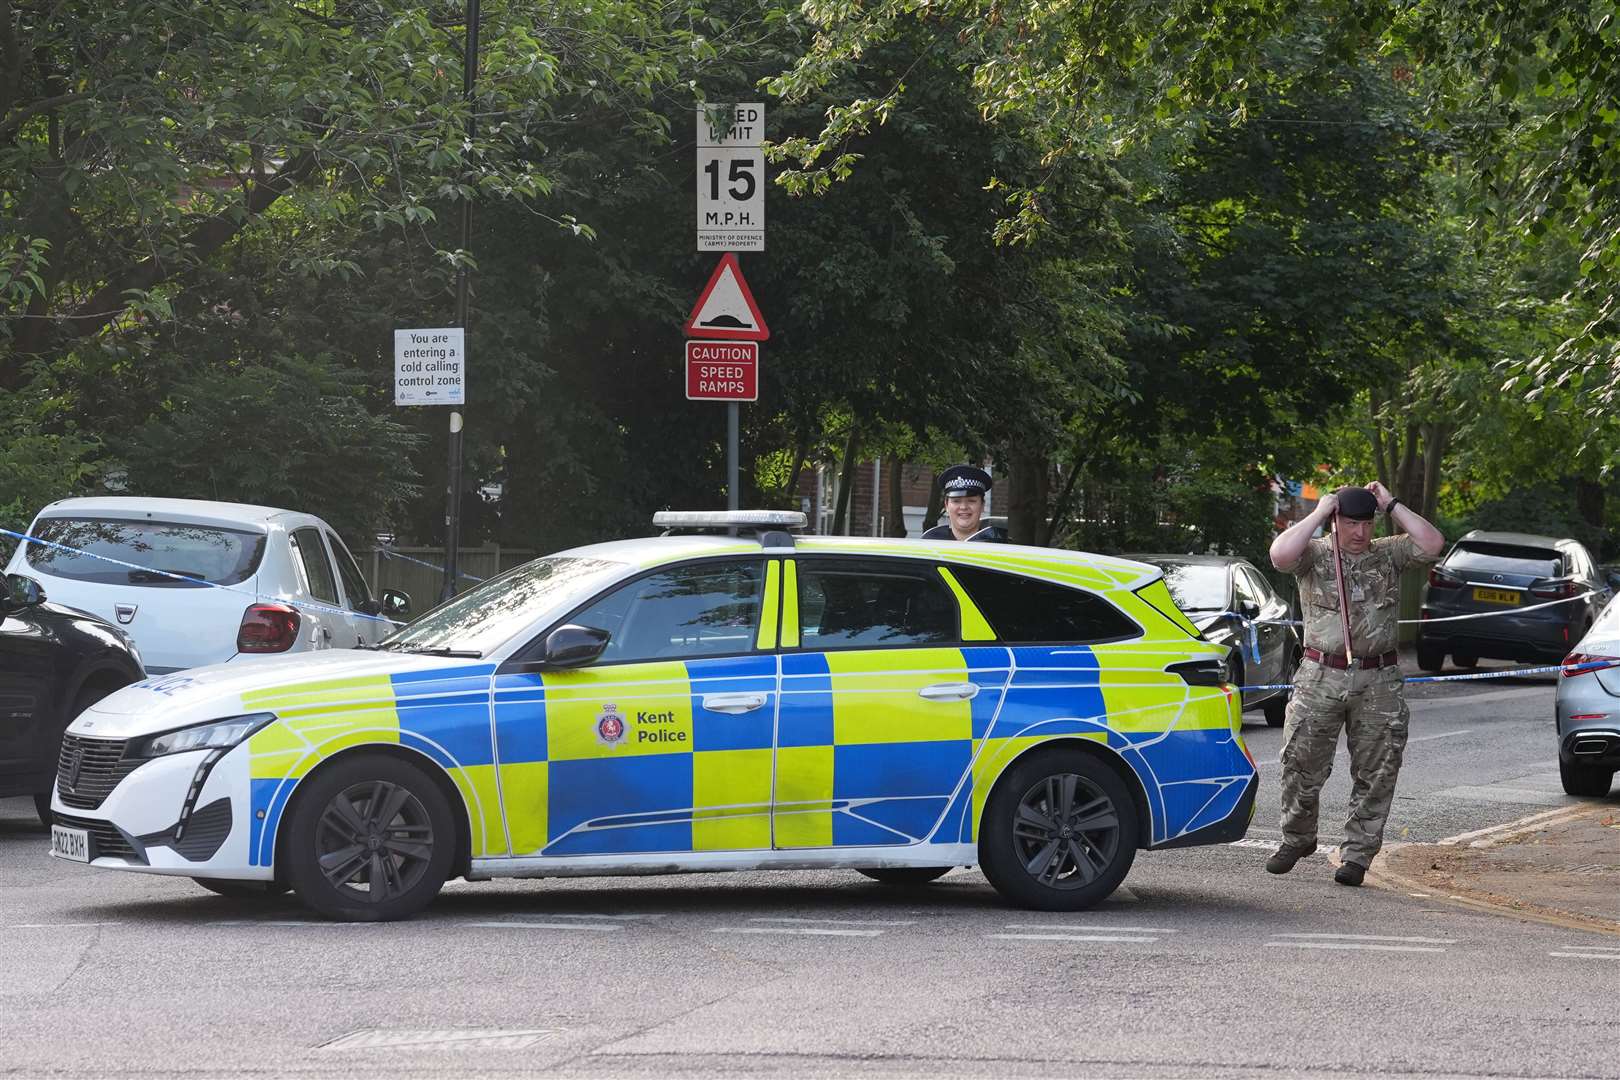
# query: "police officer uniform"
{"type": "Point", "coordinates": [959, 480]}
{"type": "Point", "coordinates": [1364, 695]}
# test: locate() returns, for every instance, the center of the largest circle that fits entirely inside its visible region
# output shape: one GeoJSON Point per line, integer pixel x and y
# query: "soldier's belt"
{"type": "Point", "coordinates": [1369, 663]}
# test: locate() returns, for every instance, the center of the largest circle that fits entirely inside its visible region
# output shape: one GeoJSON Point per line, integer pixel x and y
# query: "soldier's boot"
{"type": "Point", "coordinates": [1283, 859]}
{"type": "Point", "coordinates": [1350, 873]}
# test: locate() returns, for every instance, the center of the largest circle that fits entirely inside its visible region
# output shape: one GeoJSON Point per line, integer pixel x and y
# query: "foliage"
{"type": "Point", "coordinates": [37, 466]}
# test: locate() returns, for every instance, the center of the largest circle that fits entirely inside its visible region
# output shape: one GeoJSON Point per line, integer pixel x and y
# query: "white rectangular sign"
{"type": "Point", "coordinates": [430, 367]}
{"type": "Point", "coordinates": [730, 177]}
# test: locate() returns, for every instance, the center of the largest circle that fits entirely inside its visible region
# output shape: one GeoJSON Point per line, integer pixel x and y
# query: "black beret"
{"type": "Point", "coordinates": [1357, 503]}
{"type": "Point", "coordinates": [964, 480]}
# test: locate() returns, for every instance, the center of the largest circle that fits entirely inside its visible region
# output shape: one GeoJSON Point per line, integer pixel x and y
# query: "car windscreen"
{"type": "Point", "coordinates": [1504, 559]}
{"type": "Point", "coordinates": [1196, 586]}
{"type": "Point", "coordinates": [160, 554]}
{"type": "Point", "coordinates": [488, 615]}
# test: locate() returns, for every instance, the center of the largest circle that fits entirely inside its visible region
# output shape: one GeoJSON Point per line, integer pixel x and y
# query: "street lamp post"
{"type": "Point", "coordinates": [452, 517]}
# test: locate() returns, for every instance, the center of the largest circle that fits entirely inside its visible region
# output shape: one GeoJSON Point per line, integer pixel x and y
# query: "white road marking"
{"type": "Point", "coordinates": [1546, 817]}
{"type": "Point", "coordinates": [1594, 948]}
{"type": "Point", "coordinates": [616, 918]}
{"type": "Point", "coordinates": [59, 925]}
{"type": "Point", "coordinates": [1586, 955]}
{"type": "Point", "coordinates": [1349, 945]}
{"type": "Point", "coordinates": [1373, 937]}
{"type": "Point", "coordinates": [1072, 937]}
{"type": "Point", "coordinates": [1441, 735]}
{"type": "Point", "coordinates": [835, 922]}
{"type": "Point", "coordinates": [1083, 926]}
{"type": "Point", "coordinates": [809, 930]}
{"type": "Point", "coordinates": [290, 922]}
{"type": "Point", "coordinates": [544, 926]}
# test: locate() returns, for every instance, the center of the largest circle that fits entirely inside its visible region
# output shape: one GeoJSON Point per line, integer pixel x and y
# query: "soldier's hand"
{"type": "Point", "coordinates": [1381, 493]}
{"type": "Point", "coordinates": [1327, 505]}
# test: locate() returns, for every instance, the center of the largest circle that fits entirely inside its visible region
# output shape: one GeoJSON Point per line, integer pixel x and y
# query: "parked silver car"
{"type": "Point", "coordinates": [1218, 592]}
{"type": "Point", "coordinates": [1588, 709]}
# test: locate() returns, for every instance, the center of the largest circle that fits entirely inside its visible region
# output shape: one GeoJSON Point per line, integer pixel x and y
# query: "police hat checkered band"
{"type": "Point", "coordinates": [1357, 503]}
{"type": "Point", "coordinates": [964, 480]}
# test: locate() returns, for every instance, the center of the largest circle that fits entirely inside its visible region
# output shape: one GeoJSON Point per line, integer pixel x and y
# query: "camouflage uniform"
{"type": "Point", "coordinates": [1369, 704]}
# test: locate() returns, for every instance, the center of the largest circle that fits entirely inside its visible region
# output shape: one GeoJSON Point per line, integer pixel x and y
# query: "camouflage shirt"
{"type": "Point", "coordinates": [1372, 585]}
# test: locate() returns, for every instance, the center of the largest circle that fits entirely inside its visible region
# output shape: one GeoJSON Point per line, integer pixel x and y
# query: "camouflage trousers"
{"type": "Point", "coordinates": [1371, 708]}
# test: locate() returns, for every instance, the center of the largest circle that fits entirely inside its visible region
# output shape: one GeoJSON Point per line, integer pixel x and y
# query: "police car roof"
{"type": "Point", "coordinates": [1058, 563]}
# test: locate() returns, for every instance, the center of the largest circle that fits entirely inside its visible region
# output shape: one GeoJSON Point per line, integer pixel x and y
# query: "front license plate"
{"type": "Point", "coordinates": [69, 843]}
{"type": "Point", "coordinates": [1496, 596]}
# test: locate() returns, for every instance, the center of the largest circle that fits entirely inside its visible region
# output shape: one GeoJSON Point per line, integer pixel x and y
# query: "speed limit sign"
{"type": "Point", "coordinates": [730, 177]}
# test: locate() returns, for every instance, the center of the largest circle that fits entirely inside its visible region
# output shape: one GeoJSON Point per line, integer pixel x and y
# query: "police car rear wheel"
{"type": "Point", "coordinates": [1060, 832]}
{"type": "Point", "coordinates": [370, 841]}
{"type": "Point", "coordinates": [907, 875]}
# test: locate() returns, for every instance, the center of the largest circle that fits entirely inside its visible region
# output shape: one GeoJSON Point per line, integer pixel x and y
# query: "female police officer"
{"type": "Point", "coordinates": [965, 487]}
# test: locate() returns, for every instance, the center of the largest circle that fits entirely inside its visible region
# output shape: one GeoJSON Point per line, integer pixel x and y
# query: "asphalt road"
{"type": "Point", "coordinates": [1202, 966]}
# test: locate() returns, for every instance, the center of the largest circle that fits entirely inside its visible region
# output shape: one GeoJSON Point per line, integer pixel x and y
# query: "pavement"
{"type": "Point", "coordinates": [1560, 867]}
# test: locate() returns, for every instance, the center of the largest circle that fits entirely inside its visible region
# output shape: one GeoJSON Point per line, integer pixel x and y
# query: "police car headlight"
{"type": "Point", "coordinates": [214, 735]}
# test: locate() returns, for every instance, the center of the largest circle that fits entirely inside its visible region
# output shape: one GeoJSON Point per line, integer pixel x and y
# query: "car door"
{"type": "Point", "coordinates": [883, 695]}
{"type": "Point", "coordinates": [28, 706]}
{"type": "Point", "coordinates": [662, 744]}
{"type": "Point", "coordinates": [1266, 633]}
{"type": "Point", "coordinates": [321, 624]}
{"type": "Point", "coordinates": [357, 625]}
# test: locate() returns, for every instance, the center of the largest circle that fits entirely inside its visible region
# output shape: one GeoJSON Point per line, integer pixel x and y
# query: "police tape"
{"type": "Point", "coordinates": [1563, 669]}
{"type": "Point", "coordinates": [1424, 622]}
{"type": "Point", "coordinates": [392, 554]}
{"type": "Point", "coordinates": [311, 605]}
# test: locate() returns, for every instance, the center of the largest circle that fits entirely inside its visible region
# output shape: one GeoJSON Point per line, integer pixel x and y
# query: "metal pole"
{"type": "Point", "coordinates": [452, 516]}
{"type": "Point", "coordinates": [732, 422]}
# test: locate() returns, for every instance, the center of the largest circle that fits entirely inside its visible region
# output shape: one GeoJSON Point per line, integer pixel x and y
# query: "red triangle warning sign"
{"type": "Point", "coordinates": [726, 310]}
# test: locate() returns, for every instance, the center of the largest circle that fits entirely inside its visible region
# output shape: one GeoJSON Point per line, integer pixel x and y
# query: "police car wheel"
{"type": "Point", "coordinates": [907, 875]}
{"type": "Point", "coordinates": [242, 890]}
{"type": "Point", "coordinates": [370, 840]}
{"type": "Point", "coordinates": [1059, 832]}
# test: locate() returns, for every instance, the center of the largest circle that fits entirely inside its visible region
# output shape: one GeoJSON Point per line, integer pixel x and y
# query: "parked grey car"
{"type": "Point", "coordinates": [1217, 592]}
{"type": "Point", "coordinates": [1588, 709]}
{"type": "Point", "coordinates": [1498, 573]}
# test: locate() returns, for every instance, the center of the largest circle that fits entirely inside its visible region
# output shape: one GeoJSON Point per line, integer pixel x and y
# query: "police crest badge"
{"type": "Point", "coordinates": [610, 726]}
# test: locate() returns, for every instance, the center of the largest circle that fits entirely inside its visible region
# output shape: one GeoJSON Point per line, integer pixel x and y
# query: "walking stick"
{"type": "Point", "coordinates": [1344, 603]}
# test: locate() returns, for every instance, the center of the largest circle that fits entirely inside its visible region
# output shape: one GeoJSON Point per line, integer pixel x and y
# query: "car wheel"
{"type": "Point", "coordinates": [1234, 675]}
{"type": "Point", "coordinates": [1430, 658]}
{"type": "Point", "coordinates": [42, 807]}
{"type": "Point", "coordinates": [242, 890]}
{"type": "Point", "coordinates": [1277, 711]}
{"type": "Point", "coordinates": [1591, 782]}
{"type": "Point", "coordinates": [370, 840]}
{"type": "Point", "coordinates": [1465, 661]}
{"type": "Point", "coordinates": [1059, 832]}
{"type": "Point", "coordinates": [907, 875]}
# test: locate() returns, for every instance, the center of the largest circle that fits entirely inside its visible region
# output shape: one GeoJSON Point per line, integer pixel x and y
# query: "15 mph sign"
{"type": "Point", "coordinates": [722, 370]}
{"type": "Point", "coordinates": [730, 177]}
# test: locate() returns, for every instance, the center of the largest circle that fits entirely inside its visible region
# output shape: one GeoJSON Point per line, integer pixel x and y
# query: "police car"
{"type": "Point", "coordinates": [685, 703]}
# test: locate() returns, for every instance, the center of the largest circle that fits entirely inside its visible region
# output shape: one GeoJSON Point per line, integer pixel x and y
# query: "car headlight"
{"type": "Point", "coordinates": [213, 735]}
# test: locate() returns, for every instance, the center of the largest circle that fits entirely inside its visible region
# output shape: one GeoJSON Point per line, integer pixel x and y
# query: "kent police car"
{"type": "Point", "coordinates": [690, 703]}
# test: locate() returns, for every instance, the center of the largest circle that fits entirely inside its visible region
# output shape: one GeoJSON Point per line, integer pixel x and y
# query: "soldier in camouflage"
{"type": "Point", "coordinates": [1358, 689]}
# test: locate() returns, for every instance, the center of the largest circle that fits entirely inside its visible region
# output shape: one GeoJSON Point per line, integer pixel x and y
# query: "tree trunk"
{"type": "Point", "coordinates": [936, 504]}
{"type": "Point", "coordinates": [1383, 461]}
{"type": "Point", "coordinates": [1409, 458]}
{"type": "Point", "coordinates": [846, 487]}
{"type": "Point", "coordinates": [1026, 497]}
{"type": "Point", "coordinates": [1589, 500]}
{"type": "Point", "coordinates": [894, 503]}
{"type": "Point", "coordinates": [1434, 453]}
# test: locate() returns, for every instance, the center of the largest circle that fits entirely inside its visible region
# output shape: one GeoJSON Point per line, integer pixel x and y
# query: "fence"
{"type": "Point", "coordinates": [423, 584]}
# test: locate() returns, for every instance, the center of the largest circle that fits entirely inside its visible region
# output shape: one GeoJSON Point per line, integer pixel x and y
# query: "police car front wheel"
{"type": "Point", "coordinates": [370, 840]}
{"type": "Point", "coordinates": [1059, 832]}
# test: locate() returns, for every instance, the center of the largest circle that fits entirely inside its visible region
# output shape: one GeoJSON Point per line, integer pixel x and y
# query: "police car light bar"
{"type": "Point", "coordinates": [727, 519]}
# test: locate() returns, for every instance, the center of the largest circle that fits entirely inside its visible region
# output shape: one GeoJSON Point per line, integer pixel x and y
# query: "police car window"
{"type": "Point", "coordinates": [317, 570]}
{"type": "Point", "coordinates": [1022, 609]}
{"type": "Point", "coordinates": [705, 609]}
{"type": "Point", "coordinates": [846, 604]}
{"type": "Point", "coordinates": [354, 583]}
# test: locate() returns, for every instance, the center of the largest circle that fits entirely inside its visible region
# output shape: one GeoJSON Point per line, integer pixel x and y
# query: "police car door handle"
{"type": "Point", "coordinates": [733, 703]}
{"type": "Point", "coordinates": [951, 691]}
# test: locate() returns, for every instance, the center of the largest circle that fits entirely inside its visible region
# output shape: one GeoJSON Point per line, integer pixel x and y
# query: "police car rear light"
{"type": "Point", "coordinates": [267, 628]}
{"type": "Point", "coordinates": [725, 519]}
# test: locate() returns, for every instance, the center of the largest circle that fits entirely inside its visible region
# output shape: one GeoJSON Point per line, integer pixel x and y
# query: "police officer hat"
{"type": "Point", "coordinates": [964, 480]}
{"type": "Point", "coordinates": [1357, 503]}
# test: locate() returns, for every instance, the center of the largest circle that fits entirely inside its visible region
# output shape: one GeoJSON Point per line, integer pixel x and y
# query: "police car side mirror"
{"type": "Point", "coordinates": [572, 645]}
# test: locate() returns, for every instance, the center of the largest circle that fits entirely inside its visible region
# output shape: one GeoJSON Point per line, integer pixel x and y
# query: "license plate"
{"type": "Point", "coordinates": [69, 843]}
{"type": "Point", "coordinates": [1496, 596]}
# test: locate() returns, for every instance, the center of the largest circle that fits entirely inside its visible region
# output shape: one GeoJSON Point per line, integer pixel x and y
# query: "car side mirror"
{"type": "Point", "coordinates": [1249, 609]}
{"type": "Point", "coordinates": [395, 604]}
{"type": "Point", "coordinates": [23, 592]}
{"type": "Point", "coordinates": [572, 645]}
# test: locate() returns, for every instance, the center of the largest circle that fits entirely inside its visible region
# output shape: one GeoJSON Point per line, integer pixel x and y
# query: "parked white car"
{"type": "Point", "coordinates": [267, 580]}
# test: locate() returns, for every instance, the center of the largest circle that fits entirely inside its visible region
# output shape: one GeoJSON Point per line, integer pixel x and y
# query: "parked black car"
{"type": "Point", "coordinates": [55, 662]}
{"type": "Point", "coordinates": [1499, 574]}
{"type": "Point", "coordinates": [1218, 592]}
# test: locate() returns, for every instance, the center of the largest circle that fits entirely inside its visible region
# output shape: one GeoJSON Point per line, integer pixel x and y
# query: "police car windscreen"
{"type": "Point", "coordinates": [1196, 586]}
{"type": "Point", "coordinates": [488, 615]}
{"type": "Point", "coordinates": [161, 554]}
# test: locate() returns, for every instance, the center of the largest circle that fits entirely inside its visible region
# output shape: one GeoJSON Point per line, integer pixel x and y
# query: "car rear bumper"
{"type": "Point", "coordinates": [1591, 747]}
{"type": "Point", "coordinates": [1539, 642]}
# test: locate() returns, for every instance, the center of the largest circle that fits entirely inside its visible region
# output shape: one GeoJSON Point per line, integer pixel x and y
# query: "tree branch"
{"type": "Point", "coordinates": [10, 124]}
